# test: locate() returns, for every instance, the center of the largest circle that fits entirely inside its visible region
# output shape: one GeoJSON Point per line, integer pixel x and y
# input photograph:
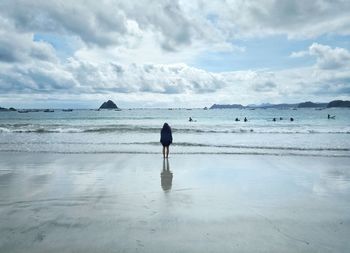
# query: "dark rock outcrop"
{"type": "Point", "coordinates": [338, 103]}
{"type": "Point", "coordinates": [109, 105]}
{"type": "Point", "coordinates": [5, 109]}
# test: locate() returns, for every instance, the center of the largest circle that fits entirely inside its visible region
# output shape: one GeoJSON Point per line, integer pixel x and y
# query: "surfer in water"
{"type": "Point", "coordinates": [166, 139]}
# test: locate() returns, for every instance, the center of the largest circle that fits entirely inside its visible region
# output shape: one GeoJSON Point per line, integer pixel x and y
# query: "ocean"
{"type": "Point", "coordinates": [211, 132]}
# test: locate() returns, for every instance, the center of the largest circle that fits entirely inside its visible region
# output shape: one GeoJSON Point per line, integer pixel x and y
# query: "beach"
{"type": "Point", "coordinates": [191, 203]}
{"type": "Point", "coordinates": [249, 99]}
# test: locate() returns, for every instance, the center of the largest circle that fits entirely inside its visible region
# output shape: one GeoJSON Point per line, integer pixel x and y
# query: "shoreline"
{"type": "Point", "coordinates": [175, 153]}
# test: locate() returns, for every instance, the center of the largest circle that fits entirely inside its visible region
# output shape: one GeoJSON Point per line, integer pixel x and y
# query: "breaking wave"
{"type": "Point", "coordinates": [29, 128]}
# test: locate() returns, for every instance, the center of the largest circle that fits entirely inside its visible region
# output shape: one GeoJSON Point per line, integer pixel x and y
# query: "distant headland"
{"type": "Point", "coordinates": [339, 103]}
{"type": "Point", "coordinates": [308, 104]}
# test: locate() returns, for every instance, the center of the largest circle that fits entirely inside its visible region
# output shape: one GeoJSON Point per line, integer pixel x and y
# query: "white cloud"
{"type": "Point", "coordinates": [104, 24]}
{"type": "Point", "coordinates": [145, 51]}
{"type": "Point", "coordinates": [330, 58]}
{"type": "Point", "coordinates": [20, 47]}
{"type": "Point", "coordinates": [296, 19]}
{"type": "Point", "coordinates": [299, 54]}
{"type": "Point", "coordinates": [162, 84]}
{"type": "Point", "coordinates": [176, 84]}
{"type": "Point", "coordinates": [93, 22]}
{"type": "Point", "coordinates": [175, 24]}
{"type": "Point", "coordinates": [326, 56]}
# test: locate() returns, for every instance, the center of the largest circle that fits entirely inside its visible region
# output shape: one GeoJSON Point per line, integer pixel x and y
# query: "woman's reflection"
{"type": "Point", "coordinates": [166, 176]}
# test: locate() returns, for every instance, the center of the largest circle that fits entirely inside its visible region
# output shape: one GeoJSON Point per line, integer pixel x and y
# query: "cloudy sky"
{"type": "Point", "coordinates": [172, 53]}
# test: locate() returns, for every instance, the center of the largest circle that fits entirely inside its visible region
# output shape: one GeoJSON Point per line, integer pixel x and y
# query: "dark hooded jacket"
{"type": "Point", "coordinates": [166, 137]}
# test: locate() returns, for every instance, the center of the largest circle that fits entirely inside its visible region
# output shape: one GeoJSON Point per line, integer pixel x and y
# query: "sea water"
{"type": "Point", "coordinates": [212, 131]}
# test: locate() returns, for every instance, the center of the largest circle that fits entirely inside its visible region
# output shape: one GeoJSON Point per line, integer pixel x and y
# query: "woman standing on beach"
{"type": "Point", "coordinates": [166, 139]}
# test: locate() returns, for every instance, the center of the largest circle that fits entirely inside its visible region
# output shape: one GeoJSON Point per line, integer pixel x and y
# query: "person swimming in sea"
{"type": "Point", "coordinates": [236, 119]}
{"type": "Point", "coordinates": [190, 119]}
{"type": "Point", "coordinates": [331, 117]}
{"type": "Point", "coordinates": [245, 119]}
{"type": "Point", "coordinates": [166, 139]}
{"type": "Point", "coordinates": [291, 119]}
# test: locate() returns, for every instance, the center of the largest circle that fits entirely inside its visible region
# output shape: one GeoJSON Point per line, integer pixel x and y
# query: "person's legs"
{"type": "Point", "coordinates": [167, 151]}
{"type": "Point", "coordinates": [163, 151]}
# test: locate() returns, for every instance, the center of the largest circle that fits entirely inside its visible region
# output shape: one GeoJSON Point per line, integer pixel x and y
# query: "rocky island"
{"type": "Point", "coordinates": [109, 105]}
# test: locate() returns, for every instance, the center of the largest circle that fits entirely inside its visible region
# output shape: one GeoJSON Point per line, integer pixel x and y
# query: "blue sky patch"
{"type": "Point", "coordinates": [65, 46]}
{"type": "Point", "coordinates": [271, 53]}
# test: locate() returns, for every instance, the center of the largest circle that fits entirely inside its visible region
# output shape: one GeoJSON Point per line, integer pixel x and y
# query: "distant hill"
{"type": "Point", "coordinates": [109, 105]}
{"type": "Point", "coordinates": [310, 104]}
{"type": "Point", "coordinates": [217, 106]}
{"type": "Point", "coordinates": [279, 106]}
{"type": "Point", "coordinates": [259, 106]}
{"type": "Point", "coordinates": [338, 103]}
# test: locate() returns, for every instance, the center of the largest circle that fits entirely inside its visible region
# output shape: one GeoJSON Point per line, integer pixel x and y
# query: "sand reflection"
{"type": "Point", "coordinates": [166, 176]}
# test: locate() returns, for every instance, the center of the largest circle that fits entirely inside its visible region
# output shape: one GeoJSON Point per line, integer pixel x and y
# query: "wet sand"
{"type": "Point", "coordinates": [196, 203]}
